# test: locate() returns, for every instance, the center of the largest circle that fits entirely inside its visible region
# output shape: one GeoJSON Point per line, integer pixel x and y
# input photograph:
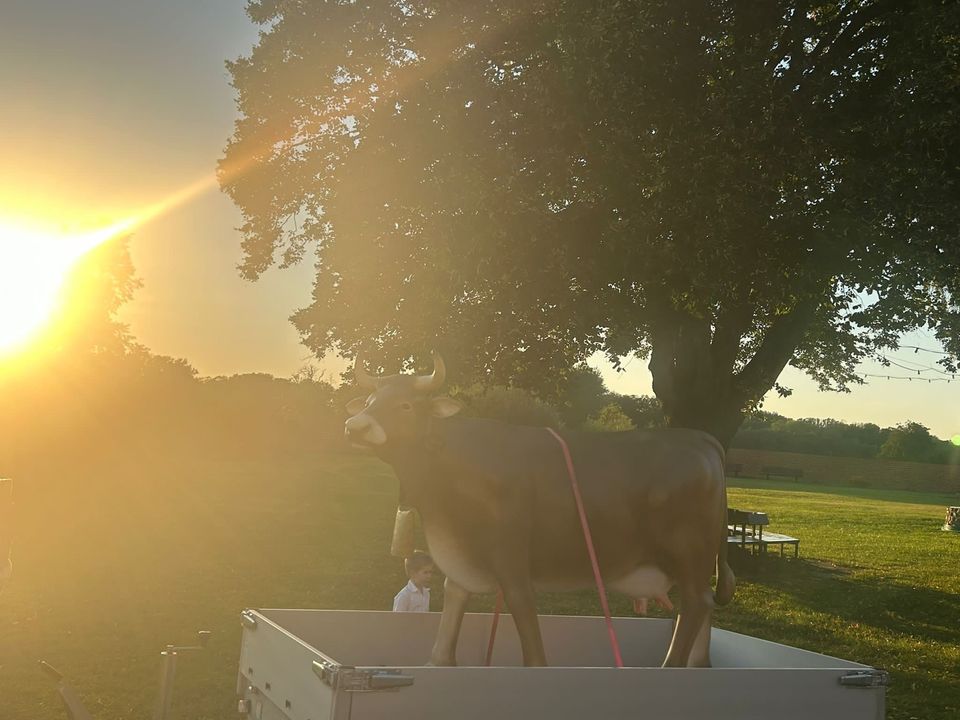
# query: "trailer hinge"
{"type": "Point", "coordinates": [866, 679]}
{"type": "Point", "coordinates": [248, 620]}
{"type": "Point", "coordinates": [341, 677]}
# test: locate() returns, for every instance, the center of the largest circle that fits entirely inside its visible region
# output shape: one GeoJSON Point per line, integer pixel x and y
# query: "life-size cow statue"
{"type": "Point", "coordinates": [497, 509]}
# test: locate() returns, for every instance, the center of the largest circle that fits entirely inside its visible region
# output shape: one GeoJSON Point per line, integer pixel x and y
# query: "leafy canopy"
{"type": "Point", "coordinates": [723, 186]}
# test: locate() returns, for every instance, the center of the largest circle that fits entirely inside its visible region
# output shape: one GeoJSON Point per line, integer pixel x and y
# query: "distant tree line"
{"type": "Point", "coordinates": [907, 441]}
{"type": "Point", "coordinates": [586, 404]}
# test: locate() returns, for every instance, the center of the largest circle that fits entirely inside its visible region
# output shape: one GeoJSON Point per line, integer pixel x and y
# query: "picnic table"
{"type": "Point", "coordinates": [745, 528]}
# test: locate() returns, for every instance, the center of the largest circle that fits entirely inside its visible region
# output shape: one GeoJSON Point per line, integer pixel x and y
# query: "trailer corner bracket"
{"type": "Point", "coordinates": [351, 679]}
{"type": "Point", "coordinates": [872, 678]}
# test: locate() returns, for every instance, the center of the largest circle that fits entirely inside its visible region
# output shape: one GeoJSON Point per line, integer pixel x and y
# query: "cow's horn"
{"type": "Point", "coordinates": [364, 379]}
{"type": "Point", "coordinates": [432, 382]}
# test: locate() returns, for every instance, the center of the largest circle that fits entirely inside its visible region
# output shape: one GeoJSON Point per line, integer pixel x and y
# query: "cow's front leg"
{"type": "Point", "coordinates": [522, 603]}
{"type": "Point", "coordinates": [454, 606]}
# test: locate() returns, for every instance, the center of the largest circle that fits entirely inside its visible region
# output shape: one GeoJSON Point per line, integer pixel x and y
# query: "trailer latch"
{"type": "Point", "coordinates": [866, 678]}
{"type": "Point", "coordinates": [341, 677]}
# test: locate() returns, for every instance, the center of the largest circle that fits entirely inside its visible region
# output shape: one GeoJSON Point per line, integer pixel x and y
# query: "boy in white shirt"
{"type": "Point", "coordinates": [415, 596]}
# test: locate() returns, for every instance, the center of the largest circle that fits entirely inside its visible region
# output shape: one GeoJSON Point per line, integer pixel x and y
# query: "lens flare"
{"type": "Point", "coordinates": [34, 262]}
{"type": "Point", "coordinates": [955, 440]}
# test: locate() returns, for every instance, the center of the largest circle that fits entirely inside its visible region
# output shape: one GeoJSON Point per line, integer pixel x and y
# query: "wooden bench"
{"type": "Point", "coordinates": [777, 471]}
{"type": "Point", "coordinates": [746, 529]}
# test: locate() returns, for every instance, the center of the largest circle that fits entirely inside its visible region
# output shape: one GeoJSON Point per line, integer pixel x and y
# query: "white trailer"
{"type": "Point", "coordinates": [365, 665]}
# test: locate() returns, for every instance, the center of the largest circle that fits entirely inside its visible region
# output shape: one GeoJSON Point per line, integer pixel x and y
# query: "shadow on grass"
{"type": "Point", "coordinates": [923, 612]}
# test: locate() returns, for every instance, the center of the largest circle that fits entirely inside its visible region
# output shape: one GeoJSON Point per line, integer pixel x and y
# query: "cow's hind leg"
{"type": "Point", "coordinates": [523, 607]}
{"type": "Point", "coordinates": [700, 653]}
{"type": "Point", "coordinates": [696, 605]}
{"type": "Point", "coordinates": [454, 606]}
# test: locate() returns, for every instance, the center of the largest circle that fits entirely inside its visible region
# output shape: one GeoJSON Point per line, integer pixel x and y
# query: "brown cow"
{"type": "Point", "coordinates": [497, 509]}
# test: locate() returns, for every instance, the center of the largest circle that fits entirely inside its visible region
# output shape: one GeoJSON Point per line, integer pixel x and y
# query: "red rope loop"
{"type": "Point", "coordinates": [601, 590]}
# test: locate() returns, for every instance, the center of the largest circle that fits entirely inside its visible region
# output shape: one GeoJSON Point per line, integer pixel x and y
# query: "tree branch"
{"type": "Point", "coordinates": [730, 327]}
{"type": "Point", "coordinates": [663, 342]}
{"type": "Point", "coordinates": [778, 347]}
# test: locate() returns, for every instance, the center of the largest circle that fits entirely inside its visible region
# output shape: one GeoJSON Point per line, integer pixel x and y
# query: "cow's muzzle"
{"type": "Point", "coordinates": [363, 431]}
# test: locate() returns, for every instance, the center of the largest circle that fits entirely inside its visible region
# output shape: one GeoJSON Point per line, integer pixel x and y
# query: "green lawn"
{"type": "Point", "coordinates": [112, 565]}
{"type": "Point", "coordinates": [878, 583]}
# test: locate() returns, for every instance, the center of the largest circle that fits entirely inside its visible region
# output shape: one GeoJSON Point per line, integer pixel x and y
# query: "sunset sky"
{"type": "Point", "coordinates": [120, 108]}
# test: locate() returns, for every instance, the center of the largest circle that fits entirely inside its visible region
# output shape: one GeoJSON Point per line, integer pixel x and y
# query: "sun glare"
{"type": "Point", "coordinates": [34, 262]}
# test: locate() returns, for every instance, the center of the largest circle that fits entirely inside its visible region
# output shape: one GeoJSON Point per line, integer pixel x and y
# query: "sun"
{"type": "Point", "coordinates": [34, 263]}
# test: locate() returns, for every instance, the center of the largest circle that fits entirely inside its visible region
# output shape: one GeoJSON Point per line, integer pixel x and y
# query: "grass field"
{"type": "Point", "coordinates": [111, 565]}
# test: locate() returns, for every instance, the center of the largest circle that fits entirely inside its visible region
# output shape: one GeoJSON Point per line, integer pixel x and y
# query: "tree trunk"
{"type": "Point", "coordinates": [712, 417]}
{"type": "Point", "coordinates": [697, 384]}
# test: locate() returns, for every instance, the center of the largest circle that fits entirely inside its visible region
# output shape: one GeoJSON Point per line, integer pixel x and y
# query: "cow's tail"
{"type": "Point", "coordinates": [726, 580]}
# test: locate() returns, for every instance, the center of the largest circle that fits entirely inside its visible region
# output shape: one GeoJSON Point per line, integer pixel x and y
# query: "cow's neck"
{"type": "Point", "coordinates": [421, 469]}
{"type": "Point", "coordinates": [416, 481]}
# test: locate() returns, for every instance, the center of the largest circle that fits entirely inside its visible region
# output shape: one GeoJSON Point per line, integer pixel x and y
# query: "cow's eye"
{"type": "Point", "coordinates": [406, 406]}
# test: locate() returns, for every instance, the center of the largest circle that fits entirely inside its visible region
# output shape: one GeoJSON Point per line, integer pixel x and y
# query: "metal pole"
{"type": "Point", "coordinates": [6, 530]}
{"type": "Point", "coordinates": [168, 669]}
{"type": "Point", "coordinates": [71, 702]}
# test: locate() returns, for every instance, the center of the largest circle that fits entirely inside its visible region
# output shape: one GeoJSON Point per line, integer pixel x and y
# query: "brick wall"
{"type": "Point", "coordinates": [861, 472]}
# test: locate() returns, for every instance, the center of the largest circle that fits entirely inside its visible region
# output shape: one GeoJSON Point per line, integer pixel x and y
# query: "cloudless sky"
{"type": "Point", "coordinates": [112, 105]}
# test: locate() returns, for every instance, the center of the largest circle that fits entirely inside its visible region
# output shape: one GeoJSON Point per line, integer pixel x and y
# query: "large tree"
{"type": "Point", "coordinates": [722, 187]}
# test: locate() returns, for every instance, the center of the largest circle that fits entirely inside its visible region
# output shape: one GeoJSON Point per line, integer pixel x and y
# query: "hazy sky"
{"type": "Point", "coordinates": [112, 105]}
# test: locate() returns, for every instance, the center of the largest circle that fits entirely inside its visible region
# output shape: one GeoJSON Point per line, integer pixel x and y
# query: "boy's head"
{"type": "Point", "coordinates": [419, 567]}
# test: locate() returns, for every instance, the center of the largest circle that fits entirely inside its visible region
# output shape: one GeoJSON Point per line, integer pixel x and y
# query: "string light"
{"type": "Point", "coordinates": [921, 369]}
{"type": "Point", "coordinates": [921, 349]}
{"type": "Point", "coordinates": [908, 378]}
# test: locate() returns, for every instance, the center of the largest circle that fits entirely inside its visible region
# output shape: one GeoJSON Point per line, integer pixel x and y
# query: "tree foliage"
{"type": "Point", "coordinates": [584, 395]}
{"type": "Point", "coordinates": [610, 418]}
{"type": "Point", "coordinates": [86, 320]}
{"type": "Point", "coordinates": [512, 405]}
{"type": "Point", "coordinates": [723, 187]}
{"type": "Point", "coordinates": [913, 441]}
{"type": "Point", "coordinates": [907, 441]}
{"type": "Point", "coordinates": [770, 431]}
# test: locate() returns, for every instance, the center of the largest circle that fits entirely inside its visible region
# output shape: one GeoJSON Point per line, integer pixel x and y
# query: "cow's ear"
{"type": "Point", "coordinates": [441, 407]}
{"type": "Point", "coordinates": [356, 405]}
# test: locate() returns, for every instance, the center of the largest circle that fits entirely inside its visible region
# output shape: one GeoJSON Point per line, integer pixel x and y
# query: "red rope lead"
{"type": "Point", "coordinates": [493, 628]}
{"type": "Point", "coordinates": [601, 590]}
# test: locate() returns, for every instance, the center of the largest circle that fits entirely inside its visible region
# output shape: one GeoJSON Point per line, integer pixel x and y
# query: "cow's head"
{"type": "Point", "coordinates": [399, 409]}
